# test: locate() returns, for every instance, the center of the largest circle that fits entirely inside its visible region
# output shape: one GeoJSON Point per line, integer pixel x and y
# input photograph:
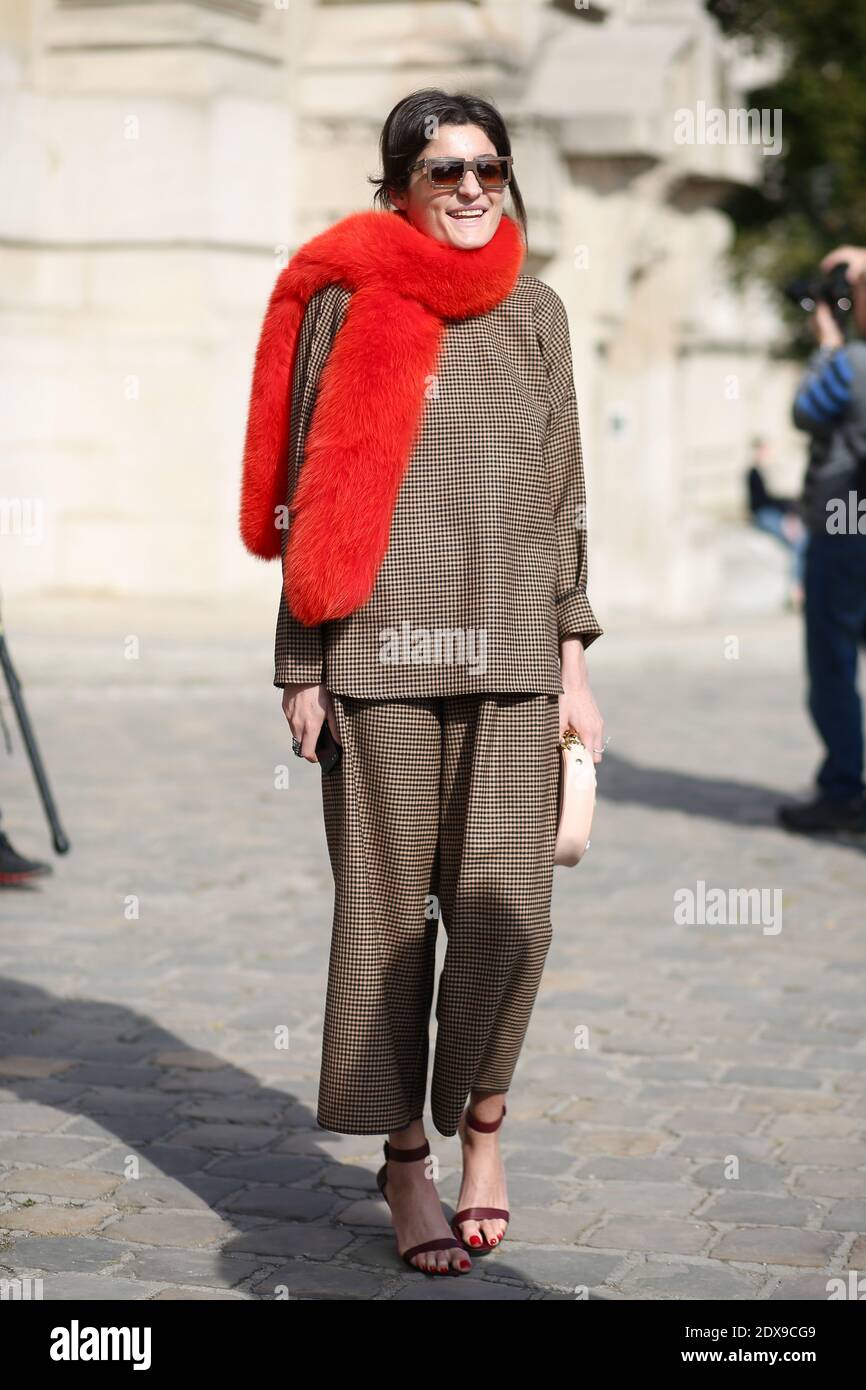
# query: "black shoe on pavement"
{"type": "Point", "coordinates": [813, 817]}
{"type": "Point", "coordinates": [14, 868]}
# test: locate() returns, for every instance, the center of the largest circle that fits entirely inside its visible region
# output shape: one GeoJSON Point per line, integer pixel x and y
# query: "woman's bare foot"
{"type": "Point", "coordinates": [416, 1212]}
{"type": "Point", "coordinates": [484, 1182]}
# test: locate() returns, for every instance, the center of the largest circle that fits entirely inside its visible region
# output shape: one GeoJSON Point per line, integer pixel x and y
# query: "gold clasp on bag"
{"type": "Point", "coordinates": [569, 739]}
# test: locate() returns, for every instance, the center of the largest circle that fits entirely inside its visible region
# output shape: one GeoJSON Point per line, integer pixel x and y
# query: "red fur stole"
{"type": "Point", "coordinates": [370, 400]}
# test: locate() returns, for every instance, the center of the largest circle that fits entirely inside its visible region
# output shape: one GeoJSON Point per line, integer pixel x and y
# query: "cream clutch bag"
{"type": "Point", "coordinates": [576, 801]}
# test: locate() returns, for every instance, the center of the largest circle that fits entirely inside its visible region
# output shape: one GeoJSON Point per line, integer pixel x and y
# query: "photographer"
{"type": "Point", "coordinates": [831, 407]}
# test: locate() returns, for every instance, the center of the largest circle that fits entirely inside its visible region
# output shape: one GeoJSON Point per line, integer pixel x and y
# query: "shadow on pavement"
{"type": "Point", "coordinates": [716, 798]}
{"type": "Point", "coordinates": [252, 1155]}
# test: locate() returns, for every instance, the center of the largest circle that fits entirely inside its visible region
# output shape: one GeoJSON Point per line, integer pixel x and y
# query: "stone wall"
{"type": "Point", "coordinates": [163, 159]}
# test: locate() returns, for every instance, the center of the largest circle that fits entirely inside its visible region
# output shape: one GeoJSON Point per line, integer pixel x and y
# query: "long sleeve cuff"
{"type": "Point", "coordinates": [576, 618]}
{"type": "Point", "coordinates": [298, 651]}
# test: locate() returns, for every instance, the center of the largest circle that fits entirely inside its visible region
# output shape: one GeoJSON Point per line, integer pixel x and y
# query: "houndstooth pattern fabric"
{"type": "Point", "coordinates": [449, 802]}
{"type": "Point", "coordinates": [487, 562]}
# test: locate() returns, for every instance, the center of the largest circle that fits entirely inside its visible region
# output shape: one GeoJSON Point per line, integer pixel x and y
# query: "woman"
{"type": "Point", "coordinates": [433, 624]}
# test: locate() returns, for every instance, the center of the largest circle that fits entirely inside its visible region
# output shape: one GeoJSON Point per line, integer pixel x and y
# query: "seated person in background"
{"type": "Point", "coordinates": [780, 517]}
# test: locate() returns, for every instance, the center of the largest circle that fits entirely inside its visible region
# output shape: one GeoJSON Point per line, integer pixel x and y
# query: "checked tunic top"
{"type": "Point", "coordinates": [487, 562]}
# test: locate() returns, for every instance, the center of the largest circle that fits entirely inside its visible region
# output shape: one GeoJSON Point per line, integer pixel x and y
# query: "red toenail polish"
{"type": "Point", "coordinates": [474, 1240]}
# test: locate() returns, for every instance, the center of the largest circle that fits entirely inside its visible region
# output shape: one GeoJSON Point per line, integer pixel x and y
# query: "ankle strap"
{"type": "Point", "coordinates": [484, 1126]}
{"type": "Point", "coordinates": [406, 1155]}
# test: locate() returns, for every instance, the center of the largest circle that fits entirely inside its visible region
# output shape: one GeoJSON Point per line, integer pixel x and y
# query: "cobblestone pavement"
{"type": "Point", "coordinates": [708, 1141]}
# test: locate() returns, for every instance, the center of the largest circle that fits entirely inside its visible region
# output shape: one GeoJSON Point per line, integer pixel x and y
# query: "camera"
{"type": "Point", "coordinates": [833, 290]}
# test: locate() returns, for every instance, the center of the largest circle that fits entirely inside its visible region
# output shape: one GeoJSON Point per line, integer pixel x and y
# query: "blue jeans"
{"type": "Point", "coordinates": [835, 612]}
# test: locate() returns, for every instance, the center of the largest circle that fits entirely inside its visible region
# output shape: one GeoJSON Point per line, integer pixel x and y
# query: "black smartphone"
{"type": "Point", "coordinates": [328, 750]}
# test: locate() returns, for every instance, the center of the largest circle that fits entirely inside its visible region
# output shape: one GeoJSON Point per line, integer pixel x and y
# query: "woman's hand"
{"type": "Point", "coordinates": [577, 708]}
{"type": "Point", "coordinates": [306, 707]}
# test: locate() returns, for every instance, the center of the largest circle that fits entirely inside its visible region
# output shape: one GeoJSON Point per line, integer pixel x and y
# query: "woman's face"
{"type": "Point", "coordinates": [444, 213]}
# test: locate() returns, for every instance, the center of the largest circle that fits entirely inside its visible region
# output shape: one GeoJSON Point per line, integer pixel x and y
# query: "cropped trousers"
{"type": "Point", "coordinates": [448, 806]}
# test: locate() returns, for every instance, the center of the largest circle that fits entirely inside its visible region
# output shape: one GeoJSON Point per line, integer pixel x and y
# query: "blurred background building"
{"type": "Point", "coordinates": [160, 161]}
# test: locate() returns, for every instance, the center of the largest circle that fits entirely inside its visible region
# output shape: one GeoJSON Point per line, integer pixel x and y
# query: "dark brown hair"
{"type": "Point", "coordinates": [407, 130]}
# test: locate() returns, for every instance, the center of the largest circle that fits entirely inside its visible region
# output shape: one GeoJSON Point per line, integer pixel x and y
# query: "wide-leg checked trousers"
{"type": "Point", "coordinates": [439, 803]}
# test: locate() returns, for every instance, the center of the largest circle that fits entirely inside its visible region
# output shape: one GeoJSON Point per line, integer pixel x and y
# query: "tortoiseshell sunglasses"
{"type": "Point", "coordinates": [491, 171]}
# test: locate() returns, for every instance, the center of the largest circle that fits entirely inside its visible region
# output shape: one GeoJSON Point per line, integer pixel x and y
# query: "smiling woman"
{"type": "Point", "coordinates": [418, 389]}
{"type": "Point", "coordinates": [446, 165]}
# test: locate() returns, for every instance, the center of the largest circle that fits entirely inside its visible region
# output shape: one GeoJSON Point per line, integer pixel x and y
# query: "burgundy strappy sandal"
{"type": "Point", "coordinates": [481, 1213]}
{"type": "Point", "coordinates": [441, 1242]}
